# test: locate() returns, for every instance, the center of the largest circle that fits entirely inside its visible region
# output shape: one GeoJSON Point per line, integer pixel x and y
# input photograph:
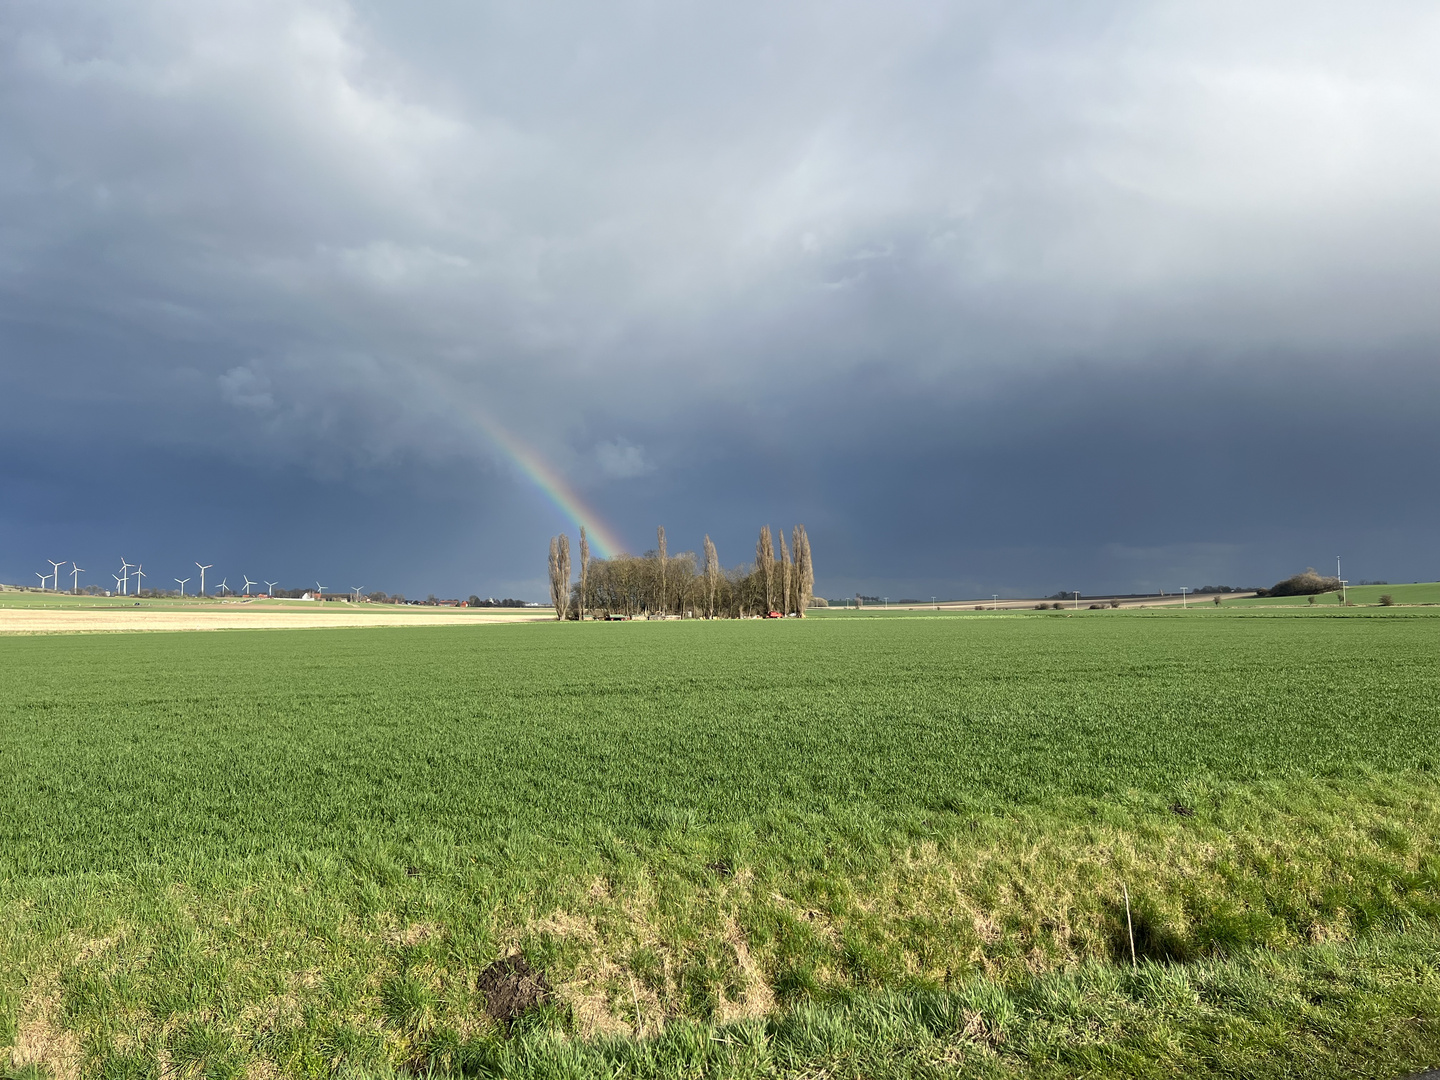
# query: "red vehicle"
{"type": "Point", "coordinates": [774, 615]}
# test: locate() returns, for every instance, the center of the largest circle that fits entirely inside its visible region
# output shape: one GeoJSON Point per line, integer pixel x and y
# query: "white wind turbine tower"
{"type": "Point", "coordinates": [117, 583]}
{"type": "Point", "coordinates": [75, 572]}
{"type": "Point", "coordinates": [124, 576]}
{"type": "Point", "coordinates": [202, 576]}
{"type": "Point", "coordinates": [181, 582]}
{"type": "Point", "coordinates": [271, 586]}
{"type": "Point", "coordinates": [223, 587]}
{"type": "Point", "coordinates": [55, 568]}
{"type": "Point", "coordinates": [320, 589]}
{"type": "Point", "coordinates": [248, 583]}
{"type": "Point", "coordinates": [43, 578]}
{"type": "Point", "coordinates": [356, 590]}
{"type": "Point", "coordinates": [139, 573]}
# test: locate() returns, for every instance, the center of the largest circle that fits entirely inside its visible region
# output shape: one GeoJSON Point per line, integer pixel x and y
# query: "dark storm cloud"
{"type": "Point", "coordinates": [724, 261]}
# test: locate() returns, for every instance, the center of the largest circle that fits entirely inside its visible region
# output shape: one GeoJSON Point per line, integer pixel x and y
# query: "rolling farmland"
{"type": "Point", "coordinates": [863, 845]}
{"type": "Point", "coordinates": [1421, 592]}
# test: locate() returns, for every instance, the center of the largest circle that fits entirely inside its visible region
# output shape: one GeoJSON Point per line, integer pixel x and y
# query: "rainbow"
{"type": "Point", "coordinates": [604, 542]}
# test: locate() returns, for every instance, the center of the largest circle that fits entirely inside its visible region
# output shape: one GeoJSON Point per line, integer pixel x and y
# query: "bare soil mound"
{"type": "Point", "coordinates": [512, 987]}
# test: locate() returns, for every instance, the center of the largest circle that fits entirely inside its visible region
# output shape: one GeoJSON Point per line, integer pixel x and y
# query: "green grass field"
{"type": "Point", "coordinates": [843, 846]}
{"type": "Point", "coordinates": [21, 598]}
{"type": "Point", "coordinates": [29, 598]}
{"type": "Point", "coordinates": [1424, 592]}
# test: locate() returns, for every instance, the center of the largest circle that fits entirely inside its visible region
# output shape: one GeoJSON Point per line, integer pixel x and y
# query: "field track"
{"type": "Point", "coordinates": [41, 621]}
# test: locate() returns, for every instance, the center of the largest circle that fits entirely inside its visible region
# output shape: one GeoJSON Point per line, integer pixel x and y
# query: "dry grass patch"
{"type": "Point", "coordinates": [41, 1041]}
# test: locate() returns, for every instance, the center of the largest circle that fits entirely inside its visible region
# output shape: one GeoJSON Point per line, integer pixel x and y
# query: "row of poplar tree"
{"type": "Point", "coordinates": [658, 583]}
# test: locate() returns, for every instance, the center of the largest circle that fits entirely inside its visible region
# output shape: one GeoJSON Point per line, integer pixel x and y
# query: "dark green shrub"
{"type": "Point", "coordinates": [1307, 584]}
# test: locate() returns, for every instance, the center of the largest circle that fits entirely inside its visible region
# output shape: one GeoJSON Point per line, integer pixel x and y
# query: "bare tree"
{"type": "Point", "coordinates": [785, 605]}
{"type": "Point", "coordinates": [564, 575]}
{"type": "Point", "coordinates": [682, 580]}
{"type": "Point", "coordinates": [560, 575]}
{"type": "Point", "coordinates": [584, 572]}
{"type": "Point", "coordinates": [712, 576]}
{"type": "Point", "coordinates": [804, 570]}
{"type": "Point", "coordinates": [660, 549]}
{"type": "Point", "coordinates": [765, 564]}
{"type": "Point", "coordinates": [555, 574]}
{"type": "Point", "coordinates": [797, 546]}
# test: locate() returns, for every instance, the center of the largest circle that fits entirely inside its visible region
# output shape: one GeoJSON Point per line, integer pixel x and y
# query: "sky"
{"type": "Point", "coordinates": [991, 297]}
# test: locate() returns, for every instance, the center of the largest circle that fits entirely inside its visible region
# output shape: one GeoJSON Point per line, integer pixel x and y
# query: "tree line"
{"type": "Point", "coordinates": [659, 583]}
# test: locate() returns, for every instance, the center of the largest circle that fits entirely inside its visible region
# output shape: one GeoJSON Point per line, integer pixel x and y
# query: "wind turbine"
{"type": "Point", "coordinates": [117, 581]}
{"type": "Point", "coordinates": [43, 578]}
{"type": "Point", "coordinates": [139, 573]}
{"type": "Point", "coordinates": [320, 589]}
{"type": "Point", "coordinates": [55, 566]}
{"type": "Point", "coordinates": [248, 583]}
{"type": "Point", "coordinates": [356, 590]}
{"type": "Point", "coordinates": [124, 576]}
{"type": "Point", "coordinates": [202, 576]}
{"type": "Point", "coordinates": [181, 583]}
{"type": "Point", "coordinates": [75, 572]}
{"type": "Point", "coordinates": [222, 586]}
{"type": "Point", "coordinates": [271, 586]}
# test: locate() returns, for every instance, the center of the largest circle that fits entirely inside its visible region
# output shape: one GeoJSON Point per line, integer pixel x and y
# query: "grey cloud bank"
{"type": "Point", "coordinates": [991, 296]}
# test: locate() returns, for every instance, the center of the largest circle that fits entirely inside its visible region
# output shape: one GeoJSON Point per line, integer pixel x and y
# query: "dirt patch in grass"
{"type": "Point", "coordinates": [511, 987]}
